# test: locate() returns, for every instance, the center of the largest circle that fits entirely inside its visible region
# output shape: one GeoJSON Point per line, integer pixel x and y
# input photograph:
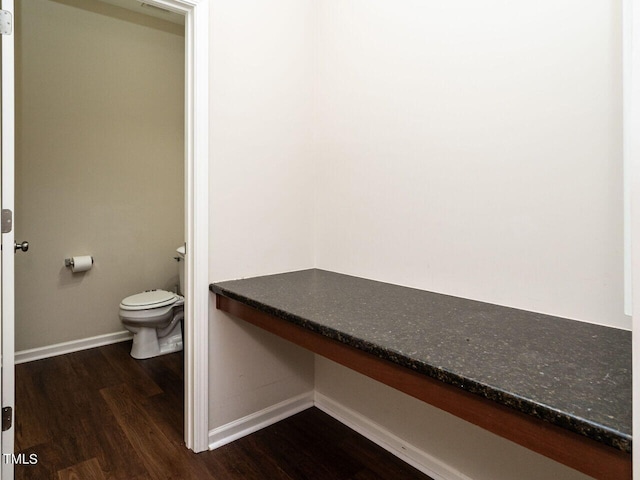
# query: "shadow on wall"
{"type": "Point", "coordinates": [124, 14]}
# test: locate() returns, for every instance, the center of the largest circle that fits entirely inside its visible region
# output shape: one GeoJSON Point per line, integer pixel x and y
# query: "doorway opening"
{"type": "Point", "coordinates": [193, 207]}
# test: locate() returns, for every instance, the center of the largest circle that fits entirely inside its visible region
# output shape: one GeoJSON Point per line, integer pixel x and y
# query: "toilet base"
{"type": "Point", "coordinates": [172, 342]}
{"type": "Point", "coordinates": [146, 343]}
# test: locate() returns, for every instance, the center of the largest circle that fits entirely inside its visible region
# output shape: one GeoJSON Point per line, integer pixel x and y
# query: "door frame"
{"type": "Point", "coordinates": [196, 323]}
{"type": "Point", "coordinates": [7, 385]}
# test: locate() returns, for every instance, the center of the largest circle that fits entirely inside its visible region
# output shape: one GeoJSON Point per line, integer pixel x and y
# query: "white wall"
{"type": "Point", "coordinates": [470, 149]}
{"type": "Point", "coordinates": [458, 449]}
{"type": "Point", "coordinates": [474, 149]}
{"type": "Point", "coordinates": [261, 179]}
{"type": "Point", "coordinates": [99, 163]}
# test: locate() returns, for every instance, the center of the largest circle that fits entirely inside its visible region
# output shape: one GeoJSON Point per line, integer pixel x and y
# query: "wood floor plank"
{"type": "Point", "coordinates": [89, 470]}
{"type": "Point", "coordinates": [240, 461]}
{"type": "Point", "coordinates": [108, 443]}
{"type": "Point", "coordinates": [127, 424]}
{"type": "Point", "coordinates": [162, 371]}
{"type": "Point", "coordinates": [56, 411]}
{"type": "Point", "coordinates": [144, 436]}
{"type": "Point", "coordinates": [49, 462]}
{"type": "Point", "coordinates": [300, 455]}
{"type": "Point", "coordinates": [167, 417]}
{"type": "Point", "coordinates": [77, 421]}
{"type": "Point", "coordinates": [31, 430]}
{"type": "Point", "coordinates": [91, 369]}
{"type": "Point", "coordinates": [368, 453]}
{"type": "Point", "coordinates": [129, 370]}
{"type": "Point", "coordinates": [160, 459]}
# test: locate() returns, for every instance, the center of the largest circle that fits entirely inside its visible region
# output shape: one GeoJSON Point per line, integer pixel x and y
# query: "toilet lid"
{"type": "Point", "coordinates": [150, 299]}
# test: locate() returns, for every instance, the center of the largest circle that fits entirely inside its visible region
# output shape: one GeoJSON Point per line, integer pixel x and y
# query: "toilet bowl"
{"type": "Point", "coordinates": [155, 318]}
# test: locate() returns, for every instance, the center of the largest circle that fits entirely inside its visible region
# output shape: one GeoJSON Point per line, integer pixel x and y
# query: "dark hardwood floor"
{"type": "Point", "coordinates": [99, 414]}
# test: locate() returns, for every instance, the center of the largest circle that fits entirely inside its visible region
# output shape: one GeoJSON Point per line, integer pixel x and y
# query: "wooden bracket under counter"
{"type": "Point", "coordinates": [291, 306]}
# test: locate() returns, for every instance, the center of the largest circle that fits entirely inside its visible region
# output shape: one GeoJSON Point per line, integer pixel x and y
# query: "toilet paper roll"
{"type": "Point", "coordinates": [82, 263]}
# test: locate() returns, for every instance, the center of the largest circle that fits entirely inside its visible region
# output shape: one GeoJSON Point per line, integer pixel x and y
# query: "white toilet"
{"type": "Point", "coordinates": [154, 317]}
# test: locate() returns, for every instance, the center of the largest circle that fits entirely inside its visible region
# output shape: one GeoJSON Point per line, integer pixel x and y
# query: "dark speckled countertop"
{"type": "Point", "coordinates": [572, 374]}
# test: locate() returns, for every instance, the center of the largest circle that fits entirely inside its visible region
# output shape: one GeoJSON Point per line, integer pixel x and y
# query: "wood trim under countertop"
{"type": "Point", "coordinates": [576, 451]}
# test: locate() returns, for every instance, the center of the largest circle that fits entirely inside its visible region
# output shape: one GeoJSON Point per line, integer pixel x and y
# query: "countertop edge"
{"type": "Point", "coordinates": [578, 425]}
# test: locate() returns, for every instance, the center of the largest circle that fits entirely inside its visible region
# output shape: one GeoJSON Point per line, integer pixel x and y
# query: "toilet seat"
{"type": "Point", "coordinates": [148, 300]}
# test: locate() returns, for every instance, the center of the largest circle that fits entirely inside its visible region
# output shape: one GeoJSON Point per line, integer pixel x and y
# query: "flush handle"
{"type": "Point", "coordinates": [24, 246]}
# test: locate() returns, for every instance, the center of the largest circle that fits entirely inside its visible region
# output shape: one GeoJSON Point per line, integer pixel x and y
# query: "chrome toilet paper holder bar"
{"type": "Point", "coordinates": [68, 262]}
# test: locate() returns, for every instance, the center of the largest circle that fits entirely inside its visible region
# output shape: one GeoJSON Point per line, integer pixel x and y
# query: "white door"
{"type": "Point", "coordinates": [8, 252]}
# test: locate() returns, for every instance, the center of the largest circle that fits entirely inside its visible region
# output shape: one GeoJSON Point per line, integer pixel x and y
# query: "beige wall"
{"type": "Point", "coordinates": [99, 164]}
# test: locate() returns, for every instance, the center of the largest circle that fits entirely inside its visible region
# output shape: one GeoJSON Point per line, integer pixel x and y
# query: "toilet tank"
{"type": "Point", "coordinates": [181, 253]}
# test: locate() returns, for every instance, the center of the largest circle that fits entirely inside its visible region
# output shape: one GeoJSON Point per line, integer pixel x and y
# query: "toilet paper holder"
{"type": "Point", "coordinates": [68, 262]}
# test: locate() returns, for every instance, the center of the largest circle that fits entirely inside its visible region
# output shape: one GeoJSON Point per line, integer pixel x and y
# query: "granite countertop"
{"type": "Point", "coordinates": [572, 374]}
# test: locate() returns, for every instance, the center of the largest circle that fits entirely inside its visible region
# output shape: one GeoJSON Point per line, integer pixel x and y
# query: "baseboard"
{"type": "Point", "coordinates": [24, 356]}
{"type": "Point", "coordinates": [252, 423]}
{"type": "Point", "coordinates": [412, 455]}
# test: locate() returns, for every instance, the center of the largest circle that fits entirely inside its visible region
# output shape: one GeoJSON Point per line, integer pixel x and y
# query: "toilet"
{"type": "Point", "coordinates": [154, 317]}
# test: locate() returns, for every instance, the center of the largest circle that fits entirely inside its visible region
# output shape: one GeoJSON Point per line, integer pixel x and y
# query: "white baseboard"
{"type": "Point", "coordinates": [252, 423]}
{"type": "Point", "coordinates": [24, 356]}
{"type": "Point", "coordinates": [410, 454]}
